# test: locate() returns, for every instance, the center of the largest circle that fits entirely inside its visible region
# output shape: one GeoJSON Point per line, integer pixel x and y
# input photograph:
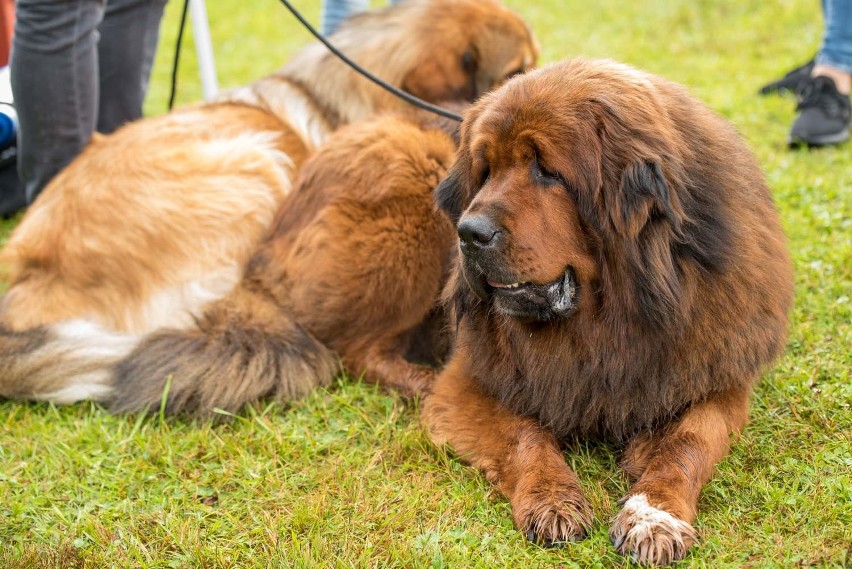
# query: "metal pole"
{"type": "Point", "coordinates": [204, 48]}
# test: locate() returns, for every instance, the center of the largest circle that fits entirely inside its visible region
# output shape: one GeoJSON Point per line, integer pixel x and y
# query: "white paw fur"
{"type": "Point", "coordinates": [649, 535]}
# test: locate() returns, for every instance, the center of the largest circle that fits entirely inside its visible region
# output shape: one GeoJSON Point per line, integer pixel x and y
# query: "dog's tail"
{"type": "Point", "coordinates": [243, 348]}
{"type": "Point", "coordinates": [63, 363]}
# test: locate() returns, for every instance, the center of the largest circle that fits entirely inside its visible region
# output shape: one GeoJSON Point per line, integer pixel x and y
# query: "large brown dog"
{"type": "Point", "coordinates": [623, 275]}
{"type": "Point", "coordinates": [352, 268]}
{"type": "Point", "coordinates": [153, 222]}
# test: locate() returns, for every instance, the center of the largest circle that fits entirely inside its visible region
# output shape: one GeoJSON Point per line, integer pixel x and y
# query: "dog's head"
{"type": "Point", "coordinates": [471, 47]}
{"type": "Point", "coordinates": [567, 192]}
{"type": "Point", "coordinates": [437, 50]}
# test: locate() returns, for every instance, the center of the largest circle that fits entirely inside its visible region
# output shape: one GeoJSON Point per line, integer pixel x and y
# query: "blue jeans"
{"type": "Point", "coordinates": [836, 49]}
{"type": "Point", "coordinates": [77, 66]}
{"type": "Point", "coordinates": [335, 11]}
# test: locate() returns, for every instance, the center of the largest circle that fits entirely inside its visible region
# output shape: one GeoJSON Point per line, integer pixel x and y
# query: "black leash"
{"type": "Point", "coordinates": [417, 102]}
{"type": "Point", "coordinates": [177, 54]}
{"type": "Point", "coordinates": [384, 85]}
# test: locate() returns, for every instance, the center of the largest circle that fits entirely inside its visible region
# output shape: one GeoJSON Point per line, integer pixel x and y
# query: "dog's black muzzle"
{"type": "Point", "coordinates": [482, 243]}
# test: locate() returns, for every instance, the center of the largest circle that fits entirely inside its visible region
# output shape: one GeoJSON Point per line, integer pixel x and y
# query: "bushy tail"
{"type": "Point", "coordinates": [63, 363]}
{"type": "Point", "coordinates": [242, 349]}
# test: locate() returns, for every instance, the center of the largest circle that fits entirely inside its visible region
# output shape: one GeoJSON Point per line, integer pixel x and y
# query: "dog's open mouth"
{"type": "Point", "coordinates": [529, 301]}
{"type": "Point", "coordinates": [512, 286]}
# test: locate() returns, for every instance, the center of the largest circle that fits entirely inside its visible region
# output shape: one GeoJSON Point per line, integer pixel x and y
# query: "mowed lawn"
{"type": "Point", "coordinates": [346, 477]}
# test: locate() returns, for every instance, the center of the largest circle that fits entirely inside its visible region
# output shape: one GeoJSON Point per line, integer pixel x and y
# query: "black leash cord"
{"type": "Point", "coordinates": [388, 87]}
{"type": "Point", "coordinates": [177, 54]}
{"type": "Point", "coordinates": [384, 85]}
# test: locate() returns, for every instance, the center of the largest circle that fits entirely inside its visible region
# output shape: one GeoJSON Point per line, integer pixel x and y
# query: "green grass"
{"type": "Point", "coordinates": [346, 478]}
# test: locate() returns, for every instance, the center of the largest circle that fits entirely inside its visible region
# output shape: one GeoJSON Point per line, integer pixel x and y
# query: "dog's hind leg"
{"type": "Point", "coordinates": [516, 454]}
{"type": "Point", "coordinates": [654, 525]}
{"type": "Point", "coordinates": [382, 362]}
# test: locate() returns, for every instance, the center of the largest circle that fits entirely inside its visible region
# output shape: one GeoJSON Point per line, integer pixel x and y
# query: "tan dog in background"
{"type": "Point", "coordinates": [150, 224]}
{"type": "Point", "coordinates": [622, 275]}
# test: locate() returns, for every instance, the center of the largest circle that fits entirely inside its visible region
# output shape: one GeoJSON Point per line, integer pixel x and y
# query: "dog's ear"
{"type": "Point", "coordinates": [482, 79]}
{"type": "Point", "coordinates": [456, 190]}
{"type": "Point", "coordinates": [450, 193]}
{"type": "Point", "coordinates": [643, 215]}
{"type": "Point", "coordinates": [470, 65]}
{"type": "Point", "coordinates": [445, 77]}
{"type": "Point", "coordinates": [643, 196]}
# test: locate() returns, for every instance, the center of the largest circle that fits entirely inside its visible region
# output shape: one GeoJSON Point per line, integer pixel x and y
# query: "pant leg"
{"type": "Point", "coordinates": [54, 78]}
{"type": "Point", "coordinates": [836, 50]}
{"type": "Point", "coordinates": [335, 11]}
{"type": "Point", "coordinates": [129, 34]}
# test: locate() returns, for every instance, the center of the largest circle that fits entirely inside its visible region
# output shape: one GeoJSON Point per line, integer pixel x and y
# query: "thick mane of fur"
{"type": "Point", "coordinates": [694, 279]}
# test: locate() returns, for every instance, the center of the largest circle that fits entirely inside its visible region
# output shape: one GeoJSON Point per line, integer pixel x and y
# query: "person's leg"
{"type": "Point", "coordinates": [795, 78]}
{"type": "Point", "coordinates": [824, 107]}
{"type": "Point", "coordinates": [335, 11]}
{"type": "Point", "coordinates": [54, 65]}
{"type": "Point", "coordinates": [835, 55]}
{"type": "Point", "coordinates": [129, 34]}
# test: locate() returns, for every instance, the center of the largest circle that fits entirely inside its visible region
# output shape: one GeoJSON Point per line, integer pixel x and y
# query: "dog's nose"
{"type": "Point", "coordinates": [478, 231]}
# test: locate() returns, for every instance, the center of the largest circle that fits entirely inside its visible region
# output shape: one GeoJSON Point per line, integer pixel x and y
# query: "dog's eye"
{"type": "Point", "coordinates": [484, 175]}
{"type": "Point", "coordinates": [542, 175]}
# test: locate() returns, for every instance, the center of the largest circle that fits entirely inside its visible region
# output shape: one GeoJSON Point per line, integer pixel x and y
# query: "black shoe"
{"type": "Point", "coordinates": [790, 82]}
{"type": "Point", "coordinates": [823, 114]}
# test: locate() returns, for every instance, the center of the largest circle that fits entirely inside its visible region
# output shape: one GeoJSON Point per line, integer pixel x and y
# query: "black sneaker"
{"type": "Point", "coordinates": [790, 82]}
{"type": "Point", "coordinates": [823, 114]}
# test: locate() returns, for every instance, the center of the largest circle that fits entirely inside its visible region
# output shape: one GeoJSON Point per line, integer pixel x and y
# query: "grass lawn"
{"type": "Point", "coordinates": [346, 478]}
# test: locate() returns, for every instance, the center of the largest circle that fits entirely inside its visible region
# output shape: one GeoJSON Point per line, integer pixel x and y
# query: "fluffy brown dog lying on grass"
{"type": "Point", "coordinates": [622, 275]}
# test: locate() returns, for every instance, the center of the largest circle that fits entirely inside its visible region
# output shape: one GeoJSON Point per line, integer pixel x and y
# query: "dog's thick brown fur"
{"type": "Point", "coordinates": [351, 269]}
{"type": "Point", "coordinates": [622, 275]}
{"type": "Point", "coordinates": [149, 224]}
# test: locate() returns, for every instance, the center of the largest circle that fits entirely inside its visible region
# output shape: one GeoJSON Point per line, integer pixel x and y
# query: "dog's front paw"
{"type": "Point", "coordinates": [650, 535]}
{"type": "Point", "coordinates": [418, 383]}
{"type": "Point", "coordinates": [553, 517]}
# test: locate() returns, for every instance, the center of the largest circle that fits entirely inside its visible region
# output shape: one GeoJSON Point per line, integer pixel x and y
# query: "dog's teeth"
{"type": "Point", "coordinates": [499, 285]}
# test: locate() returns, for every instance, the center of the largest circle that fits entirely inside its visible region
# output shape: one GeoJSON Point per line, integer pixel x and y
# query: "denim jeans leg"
{"type": "Point", "coordinates": [129, 34]}
{"type": "Point", "coordinates": [54, 76]}
{"type": "Point", "coordinates": [335, 11]}
{"type": "Point", "coordinates": [836, 50]}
